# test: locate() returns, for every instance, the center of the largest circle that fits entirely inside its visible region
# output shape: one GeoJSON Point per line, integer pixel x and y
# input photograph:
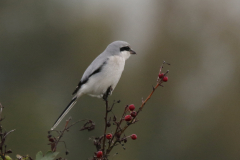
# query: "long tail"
{"type": "Point", "coordinates": [66, 110]}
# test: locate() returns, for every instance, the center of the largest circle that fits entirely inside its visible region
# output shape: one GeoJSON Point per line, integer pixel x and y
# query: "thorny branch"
{"type": "Point", "coordinates": [116, 138]}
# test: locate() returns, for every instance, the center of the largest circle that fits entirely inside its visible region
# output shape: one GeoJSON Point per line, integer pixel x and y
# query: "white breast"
{"type": "Point", "coordinates": [110, 74]}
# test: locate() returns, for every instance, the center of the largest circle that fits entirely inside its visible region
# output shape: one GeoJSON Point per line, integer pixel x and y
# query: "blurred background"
{"type": "Point", "coordinates": [45, 46]}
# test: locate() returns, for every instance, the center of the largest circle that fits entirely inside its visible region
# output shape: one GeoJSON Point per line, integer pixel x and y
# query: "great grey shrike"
{"type": "Point", "coordinates": [102, 75]}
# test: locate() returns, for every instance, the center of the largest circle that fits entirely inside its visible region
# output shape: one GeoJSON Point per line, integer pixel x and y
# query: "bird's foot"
{"type": "Point", "coordinates": [105, 97]}
{"type": "Point", "coordinates": [107, 93]}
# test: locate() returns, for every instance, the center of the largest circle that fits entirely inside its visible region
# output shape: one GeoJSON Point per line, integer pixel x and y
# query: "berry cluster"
{"type": "Point", "coordinates": [132, 113]}
{"type": "Point", "coordinates": [164, 78]}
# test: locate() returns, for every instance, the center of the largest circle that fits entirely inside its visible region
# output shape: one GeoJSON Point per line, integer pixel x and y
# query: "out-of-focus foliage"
{"type": "Point", "coordinates": [6, 158]}
{"type": "Point", "coordinates": [49, 155]}
{"type": "Point", "coordinates": [27, 157]}
{"type": "Point", "coordinates": [45, 46]}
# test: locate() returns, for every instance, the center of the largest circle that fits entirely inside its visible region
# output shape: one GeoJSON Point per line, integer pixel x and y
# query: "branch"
{"type": "Point", "coordinates": [119, 131]}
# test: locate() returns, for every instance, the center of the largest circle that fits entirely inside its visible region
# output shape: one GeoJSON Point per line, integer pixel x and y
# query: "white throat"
{"type": "Point", "coordinates": [125, 54]}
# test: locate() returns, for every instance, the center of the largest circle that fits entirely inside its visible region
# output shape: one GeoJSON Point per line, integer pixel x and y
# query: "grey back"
{"type": "Point", "coordinates": [111, 50]}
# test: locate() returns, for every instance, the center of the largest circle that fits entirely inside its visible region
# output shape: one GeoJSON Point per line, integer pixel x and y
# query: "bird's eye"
{"type": "Point", "coordinates": [126, 48]}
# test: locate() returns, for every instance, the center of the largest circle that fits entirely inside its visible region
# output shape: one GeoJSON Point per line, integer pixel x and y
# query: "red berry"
{"type": "Point", "coordinates": [109, 136]}
{"type": "Point", "coordinates": [165, 79]}
{"type": "Point", "coordinates": [99, 154]}
{"type": "Point", "coordinates": [160, 75]}
{"type": "Point", "coordinates": [51, 139]}
{"type": "Point", "coordinates": [134, 136]}
{"type": "Point", "coordinates": [134, 114]}
{"type": "Point", "coordinates": [128, 118]}
{"type": "Point", "coordinates": [131, 107]}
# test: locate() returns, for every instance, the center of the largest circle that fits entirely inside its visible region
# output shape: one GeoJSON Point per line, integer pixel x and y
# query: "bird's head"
{"type": "Point", "coordinates": [120, 48]}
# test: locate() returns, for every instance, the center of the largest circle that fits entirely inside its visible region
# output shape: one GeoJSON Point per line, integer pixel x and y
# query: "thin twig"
{"type": "Point", "coordinates": [61, 135]}
{"type": "Point", "coordinates": [116, 131]}
{"type": "Point", "coordinates": [8, 133]}
{"type": "Point", "coordinates": [105, 129]}
{"type": "Point", "coordinates": [76, 123]}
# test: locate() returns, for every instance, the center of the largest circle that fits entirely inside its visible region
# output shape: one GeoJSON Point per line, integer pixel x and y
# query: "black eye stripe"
{"type": "Point", "coordinates": [125, 49]}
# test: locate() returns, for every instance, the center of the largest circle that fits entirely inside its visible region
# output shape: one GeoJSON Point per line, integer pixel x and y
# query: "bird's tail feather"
{"type": "Point", "coordinates": [66, 110]}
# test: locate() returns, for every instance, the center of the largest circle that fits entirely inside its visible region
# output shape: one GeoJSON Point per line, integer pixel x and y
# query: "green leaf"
{"type": "Point", "coordinates": [39, 155]}
{"type": "Point", "coordinates": [49, 155]}
{"type": "Point", "coordinates": [8, 158]}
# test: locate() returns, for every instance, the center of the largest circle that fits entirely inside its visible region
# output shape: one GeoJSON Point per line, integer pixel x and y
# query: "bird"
{"type": "Point", "coordinates": [102, 75]}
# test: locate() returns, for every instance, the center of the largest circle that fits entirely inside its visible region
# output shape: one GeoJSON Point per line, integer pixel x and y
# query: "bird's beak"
{"type": "Point", "coordinates": [132, 52]}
